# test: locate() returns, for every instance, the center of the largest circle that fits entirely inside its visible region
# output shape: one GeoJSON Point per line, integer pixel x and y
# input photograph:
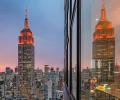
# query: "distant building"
{"type": "Point", "coordinates": [16, 69]}
{"type": "Point", "coordinates": [39, 74]}
{"type": "Point", "coordinates": [52, 85]}
{"type": "Point", "coordinates": [46, 91]}
{"type": "Point", "coordinates": [49, 84]}
{"type": "Point", "coordinates": [9, 86]}
{"type": "Point", "coordinates": [59, 94]}
{"type": "Point", "coordinates": [9, 70]}
{"type": "Point", "coordinates": [38, 85]}
{"type": "Point", "coordinates": [2, 93]}
{"type": "Point", "coordinates": [25, 60]}
{"type": "Point", "coordinates": [1, 89]}
{"type": "Point", "coordinates": [104, 48]}
{"type": "Point", "coordinates": [46, 68]}
{"type": "Point", "coordinates": [117, 74]}
{"type": "Point", "coordinates": [60, 84]}
{"type": "Point", "coordinates": [60, 81]}
{"type": "Point", "coordinates": [85, 75]}
{"type": "Point", "coordinates": [39, 90]}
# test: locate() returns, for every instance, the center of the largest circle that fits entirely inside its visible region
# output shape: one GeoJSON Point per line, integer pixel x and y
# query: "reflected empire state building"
{"type": "Point", "coordinates": [104, 48]}
{"type": "Point", "coordinates": [25, 60]}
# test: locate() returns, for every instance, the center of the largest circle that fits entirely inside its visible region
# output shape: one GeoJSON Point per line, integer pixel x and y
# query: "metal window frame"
{"type": "Point", "coordinates": [78, 49]}
{"type": "Point", "coordinates": [76, 10]}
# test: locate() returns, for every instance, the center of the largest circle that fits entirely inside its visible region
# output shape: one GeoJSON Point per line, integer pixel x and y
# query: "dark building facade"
{"type": "Point", "coordinates": [104, 48]}
{"type": "Point", "coordinates": [25, 60]}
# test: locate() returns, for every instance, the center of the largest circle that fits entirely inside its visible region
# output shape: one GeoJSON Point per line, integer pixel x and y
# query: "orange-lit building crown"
{"type": "Point", "coordinates": [25, 36]}
{"type": "Point", "coordinates": [102, 26]}
{"type": "Point", "coordinates": [103, 22]}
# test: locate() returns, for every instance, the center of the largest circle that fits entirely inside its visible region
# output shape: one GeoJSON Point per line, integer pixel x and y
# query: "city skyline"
{"type": "Point", "coordinates": [45, 26]}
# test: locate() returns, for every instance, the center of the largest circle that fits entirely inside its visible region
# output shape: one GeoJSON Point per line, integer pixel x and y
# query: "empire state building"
{"type": "Point", "coordinates": [25, 59]}
{"type": "Point", "coordinates": [104, 48]}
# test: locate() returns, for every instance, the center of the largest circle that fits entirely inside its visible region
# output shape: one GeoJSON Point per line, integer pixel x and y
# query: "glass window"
{"type": "Point", "coordinates": [100, 49]}
{"type": "Point", "coordinates": [68, 41]}
{"type": "Point", "coordinates": [86, 49]}
{"type": "Point", "coordinates": [73, 2]}
{"type": "Point", "coordinates": [74, 55]}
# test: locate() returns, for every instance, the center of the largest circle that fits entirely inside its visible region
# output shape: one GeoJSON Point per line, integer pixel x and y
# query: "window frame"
{"type": "Point", "coordinates": [76, 5]}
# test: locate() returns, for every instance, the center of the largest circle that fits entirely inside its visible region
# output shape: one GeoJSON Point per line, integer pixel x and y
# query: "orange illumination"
{"type": "Point", "coordinates": [29, 34]}
{"type": "Point", "coordinates": [25, 42]}
{"type": "Point", "coordinates": [21, 34]}
{"type": "Point", "coordinates": [109, 26]}
{"type": "Point", "coordinates": [99, 27]}
{"type": "Point", "coordinates": [103, 12]}
{"type": "Point", "coordinates": [29, 38]}
{"type": "Point", "coordinates": [103, 26]}
{"type": "Point", "coordinates": [20, 42]}
{"type": "Point", "coordinates": [102, 36]}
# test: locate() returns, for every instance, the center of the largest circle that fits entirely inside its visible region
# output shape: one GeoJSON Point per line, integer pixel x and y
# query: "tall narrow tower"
{"type": "Point", "coordinates": [104, 48]}
{"type": "Point", "coordinates": [25, 59]}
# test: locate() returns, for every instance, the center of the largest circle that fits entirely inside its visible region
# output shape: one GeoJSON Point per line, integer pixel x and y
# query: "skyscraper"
{"type": "Point", "coordinates": [25, 59]}
{"type": "Point", "coordinates": [104, 48]}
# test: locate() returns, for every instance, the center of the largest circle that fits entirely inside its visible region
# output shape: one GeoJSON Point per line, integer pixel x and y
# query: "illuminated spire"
{"type": "Point", "coordinates": [103, 12]}
{"type": "Point", "coordinates": [26, 20]}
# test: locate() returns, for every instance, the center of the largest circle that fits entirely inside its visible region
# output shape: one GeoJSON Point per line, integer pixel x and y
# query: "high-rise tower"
{"type": "Point", "coordinates": [25, 59]}
{"type": "Point", "coordinates": [104, 48]}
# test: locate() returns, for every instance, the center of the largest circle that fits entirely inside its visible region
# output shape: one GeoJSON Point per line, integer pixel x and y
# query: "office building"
{"type": "Point", "coordinates": [25, 60]}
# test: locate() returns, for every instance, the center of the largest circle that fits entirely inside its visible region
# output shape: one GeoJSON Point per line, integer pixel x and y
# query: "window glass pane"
{"type": "Point", "coordinates": [68, 51]}
{"type": "Point", "coordinates": [100, 49]}
{"type": "Point", "coordinates": [74, 55]}
{"type": "Point", "coordinates": [86, 48]}
{"type": "Point", "coordinates": [73, 2]}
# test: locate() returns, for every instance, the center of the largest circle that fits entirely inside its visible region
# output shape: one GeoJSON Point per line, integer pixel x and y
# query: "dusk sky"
{"type": "Point", "coordinates": [46, 20]}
